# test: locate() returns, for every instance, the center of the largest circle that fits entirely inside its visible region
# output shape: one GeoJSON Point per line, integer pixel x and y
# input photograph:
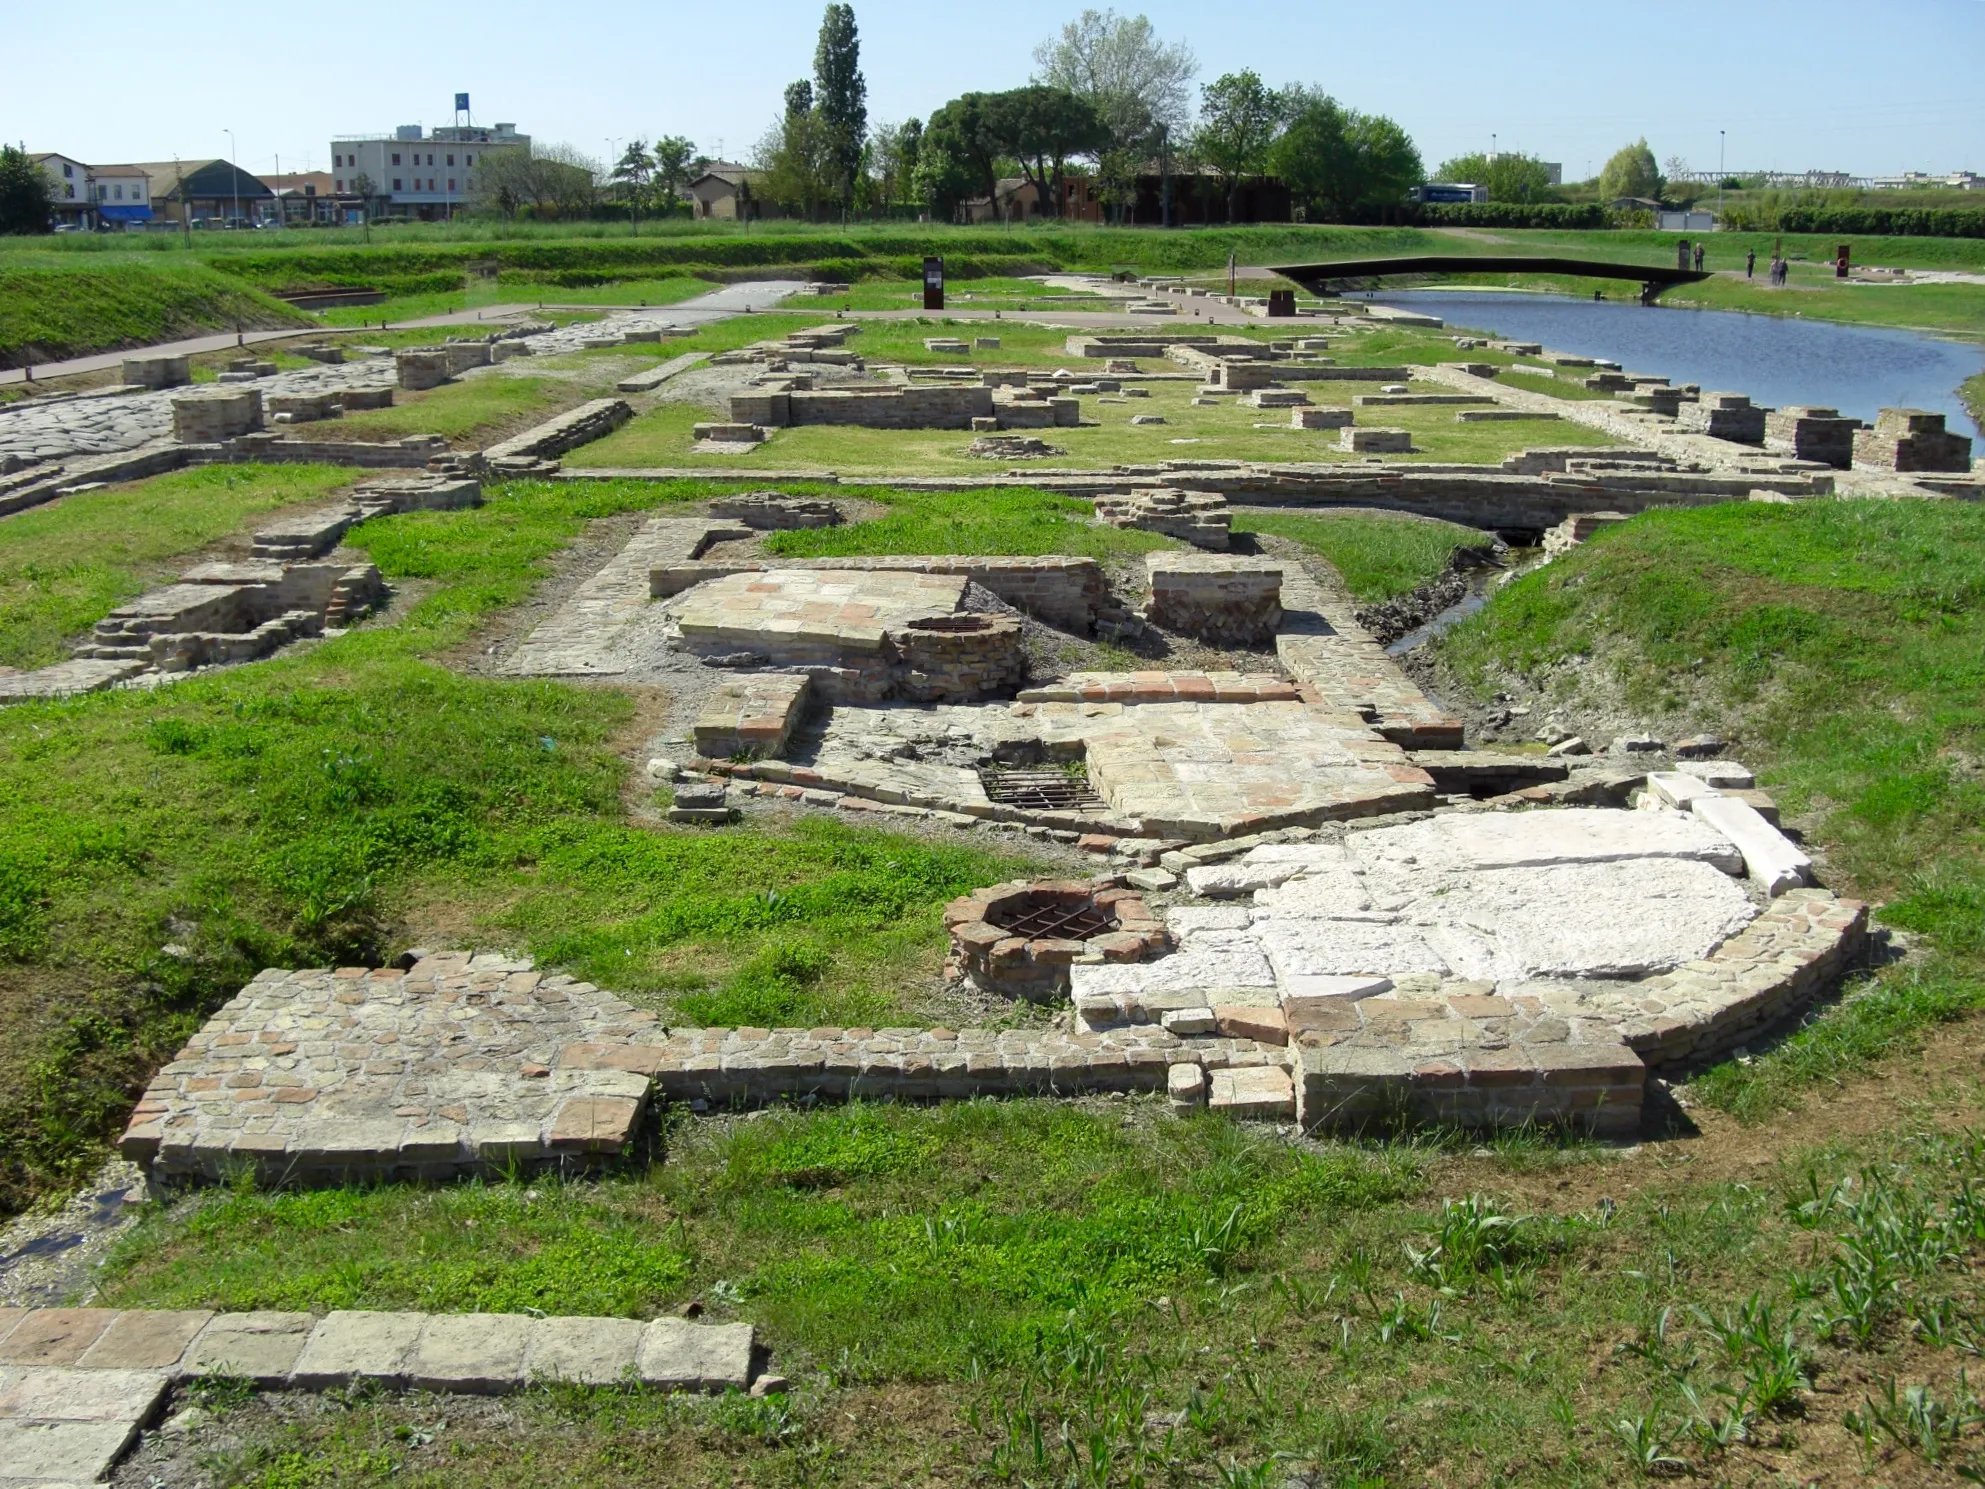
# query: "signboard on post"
{"type": "Point", "coordinates": [933, 284]}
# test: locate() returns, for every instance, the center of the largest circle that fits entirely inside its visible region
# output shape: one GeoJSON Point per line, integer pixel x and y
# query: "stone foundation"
{"type": "Point", "coordinates": [211, 418]}
{"type": "Point", "coordinates": [304, 408]}
{"type": "Point", "coordinates": [1231, 601]}
{"type": "Point", "coordinates": [1375, 441]}
{"type": "Point", "coordinates": [318, 531]}
{"type": "Point", "coordinates": [773, 511]}
{"type": "Point", "coordinates": [1320, 418]}
{"type": "Point", "coordinates": [1805, 432]}
{"type": "Point", "coordinates": [569, 430]}
{"type": "Point", "coordinates": [958, 658]}
{"type": "Point", "coordinates": [233, 613]}
{"type": "Point", "coordinates": [1200, 518]}
{"type": "Point", "coordinates": [1067, 593]}
{"type": "Point", "coordinates": [157, 372]}
{"type": "Point", "coordinates": [913, 407]}
{"type": "Point", "coordinates": [751, 715]}
{"type": "Point", "coordinates": [1730, 416]}
{"type": "Point", "coordinates": [421, 367]}
{"type": "Point", "coordinates": [1908, 439]}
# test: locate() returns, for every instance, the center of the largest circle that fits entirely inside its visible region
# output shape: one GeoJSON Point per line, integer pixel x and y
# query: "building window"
{"type": "Point", "coordinates": [337, 160]}
{"type": "Point", "coordinates": [69, 192]}
{"type": "Point", "coordinates": [396, 184]}
{"type": "Point", "coordinates": [341, 185]}
{"type": "Point", "coordinates": [396, 157]}
{"type": "Point", "coordinates": [451, 183]}
{"type": "Point", "coordinates": [468, 160]}
{"type": "Point", "coordinates": [120, 193]}
{"type": "Point", "coordinates": [69, 171]}
{"type": "Point", "coordinates": [451, 160]}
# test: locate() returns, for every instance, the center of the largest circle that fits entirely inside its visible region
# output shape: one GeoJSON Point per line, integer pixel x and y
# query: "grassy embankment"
{"type": "Point", "coordinates": [1380, 555]}
{"type": "Point", "coordinates": [54, 306]}
{"type": "Point", "coordinates": [1843, 643]}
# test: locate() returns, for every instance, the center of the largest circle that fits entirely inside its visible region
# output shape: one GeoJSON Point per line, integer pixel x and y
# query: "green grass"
{"type": "Point", "coordinates": [1014, 1290]}
{"type": "Point", "coordinates": [470, 406]}
{"type": "Point", "coordinates": [1549, 384]}
{"type": "Point", "coordinates": [66, 565]}
{"type": "Point", "coordinates": [1379, 556]}
{"type": "Point", "coordinates": [1229, 430]}
{"type": "Point", "coordinates": [995, 520]}
{"type": "Point", "coordinates": [297, 811]}
{"type": "Point", "coordinates": [1844, 643]}
{"type": "Point", "coordinates": [53, 307]}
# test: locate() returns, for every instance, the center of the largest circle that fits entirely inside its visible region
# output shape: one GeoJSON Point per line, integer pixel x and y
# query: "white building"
{"type": "Point", "coordinates": [69, 186]}
{"type": "Point", "coordinates": [122, 195]}
{"type": "Point", "coordinates": [416, 173]}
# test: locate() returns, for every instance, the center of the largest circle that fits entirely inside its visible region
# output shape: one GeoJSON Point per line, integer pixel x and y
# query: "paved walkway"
{"type": "Point", "coordinates": [77, 1385]}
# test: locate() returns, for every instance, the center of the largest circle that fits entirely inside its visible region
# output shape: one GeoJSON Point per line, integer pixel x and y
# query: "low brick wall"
{"type": "Point", "coordinates": [210, 418]}
{"type": "Point", "coordinates": [1224, 600]}
{"type": "Point", "coordinates": [1730, 416]}
{"type": "Point", "coordinates": [304, 408]}
{"type": "Point", "coordinates": [774, 511]}
{"type": "Point", "coordinates": [1201, 518]}
{"type": "Point", "coordinates": [576, 427]}
{"type": "Point", "coordinates": [422, 367]}
{"type": "Point", "coordinates": [913, 407]}
{"type": "Point", "coordinates": [411, 453]}
{"type": "Point", "coordinates": [751, 714]}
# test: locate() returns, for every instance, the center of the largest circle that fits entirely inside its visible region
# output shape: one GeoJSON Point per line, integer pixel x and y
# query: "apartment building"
{"type": "Point", "coordinates": [415, 172]}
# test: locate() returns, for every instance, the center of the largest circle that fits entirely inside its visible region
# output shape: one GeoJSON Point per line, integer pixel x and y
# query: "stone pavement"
{"type": "Point", "coordinates": [77, 1385]}
{"type": "Point", "coordinates": [1322, 645]}
{"type": "Point", "coordinates": [811, 615]}
{"type": "Point", "coordinates": [447, 1069]}
{"type": "Point", "coordinates": [579, 640]}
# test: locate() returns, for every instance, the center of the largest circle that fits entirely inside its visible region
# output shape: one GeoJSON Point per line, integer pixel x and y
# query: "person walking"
{"type": "Point", "coordinates": [1750, 264]}
{"type": "Point", "coordinates": [1699, 258]}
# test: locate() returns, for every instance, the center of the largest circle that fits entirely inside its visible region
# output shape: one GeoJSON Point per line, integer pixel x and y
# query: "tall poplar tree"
{"type": "Point", "coordinates": [840, 97]}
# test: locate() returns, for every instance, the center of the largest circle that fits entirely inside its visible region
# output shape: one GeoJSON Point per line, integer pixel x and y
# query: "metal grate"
{"type": "Point", "coordinates": [1043, 790]}
{"type": "Point", "coordinates": [1064, 920]}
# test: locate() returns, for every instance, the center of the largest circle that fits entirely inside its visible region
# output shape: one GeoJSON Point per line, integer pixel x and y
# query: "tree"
{"type": "Point", "coordinates": [1336, 160]}
{"type": "Point", "coordinates": [1630, 172]}
{"type": "Point", "coordinates": [960, 151]}
{"type": "Point", "coordinates": [633, 171]}
{"type": "Point", "coordinates": [1119, 66]}
{"type": "Point", "coordinates": [796, 160]}
{"type": "Point", "coordinates": [892, 161]}
{"type": "Point", "coordinates": [27, 196]}
{"type": "Point", "coordinates": [1510, 177]}
{"type": "Point", "coordinates": [1044, 128]}
{"type": "Point", "coordinates": [799, 98]}
{"type": "Point", "coordinates": [548, 181]}
{"type": "Point", "coordinates": [1238, 118]}
{"type": "Point", "coordinates": [840, 98]}
{"type": "Point", "coordinates": [675, 167]}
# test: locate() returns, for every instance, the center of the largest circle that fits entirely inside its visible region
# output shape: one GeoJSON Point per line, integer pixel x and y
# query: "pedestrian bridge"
{"type": "Point", "coordinates": [1324, 279]}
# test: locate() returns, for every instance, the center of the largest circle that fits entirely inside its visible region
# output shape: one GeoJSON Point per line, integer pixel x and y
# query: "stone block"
{"type": "Point", "coordinates": [584, 1351]}
{"type": "Point", "coordinates": [681, 1356]}
{"type": "Point", "coordinates": [55, 1455]}
{"type": "Point", "coordinates": [1188, 1023]}
{"type": "Point", "coordinates": [1771, 859]}
{"type": "Point", "coordinates": [146, 1339]}
{"type": "Point", "coordinates": [1242, 1021]}
{"type": "Point", "coordinates": [471, 1353]}
{"type": "Point", "coordinates": [1910, 439]}
{"type": "Point", "coordinates": [1320, 418]}
{"type": "Point", "coordinates": [1370, 441]}
{"type": "Point", "coordinates": [211, 418]}
{"type": "Point", "coordinates": [1806, 432]}
{"type": "Point", "coordinates": [67, 1393]}
{"type": "Point", "coordinates": [260, 1346]}
{"type": "Point", "coordinates": [1228, 600]}
{"type": "Point", "coordinates": [1261, 1091]}
{"type": "Point", "coordinates": [418, 368]}
{"type": "Point", "coordinates": [55, 1336]}
{"type": "Point", "coordinates": [1185, 1086]}
{"type": "Point", "coordinates": [361, 1344]}
{"type": "Point", "coordinates": [157, 372]}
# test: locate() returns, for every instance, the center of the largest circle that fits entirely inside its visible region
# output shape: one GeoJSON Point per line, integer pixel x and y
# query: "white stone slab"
{"type": "Point", "coordinates": [1676, 789]}
{"type": "Point", "coordinates": [56, 1453]}
{"type": "Point", "coordinates": [1187, 921]}
{"type": "Point", "coordinates": [1196, 967]}
{"type": "Point", "coordinates": [1334, 989]}
{"type": "Point", "coordinates": [1333, 948]}
{"type": "Point", "coordinates": [1324, 894]}
{"type": "Point", "coordinates": [352, 1342]}
{"type": "Point", "coordinates": [1231, 880]}
{"type": "Point", "coordinates": [683, 1356]}
{"type": "Point", "coordinates": [1311, 857]}
{"type": "Point", "coordinates": [1619, 919]}
{"type": "Point", "coordinates": [585, 1351]}
{"type": "Point", "coordinates": [1729, 775]}
{"type": "Point", "coordinates": [1773, 860]}
{"type": "Point", "coordinates": [67, 1393]}
{"type": "Point", "coordinates": [1186, 1022]}
{"type": "Point", "coordinates": [476, 1353]}
{"type": "Point", "coordinates": [1500, 840]}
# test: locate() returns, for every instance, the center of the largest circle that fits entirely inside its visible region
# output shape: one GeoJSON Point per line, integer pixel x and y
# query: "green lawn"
{"type": "Point", "coordinates": [1379, 555]}
{"type": "Point", "coordinates": [310, 808]}
{"type": "Point", "coordinates": [55, 305]}
{"type": "Point", "coordinates": [1844, 643]}
{"type": "Point", "coordinates": [66, 565]}
{"type": "Point", "coordinates": [1230, 430]}
{"type": "Point", "coordinates": [1550, 384]}
{"type": "Point", "coordinates": [469, 407]}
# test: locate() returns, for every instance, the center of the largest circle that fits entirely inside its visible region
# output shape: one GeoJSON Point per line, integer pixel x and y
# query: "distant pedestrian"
{"type": "Point", "coordinates": [1750, 263]}
{"type": "Point", "coordinates": [1699, 256]}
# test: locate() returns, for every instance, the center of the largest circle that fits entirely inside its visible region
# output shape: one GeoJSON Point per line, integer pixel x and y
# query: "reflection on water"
{"type": "Point", "coordinates": [1775, 359]}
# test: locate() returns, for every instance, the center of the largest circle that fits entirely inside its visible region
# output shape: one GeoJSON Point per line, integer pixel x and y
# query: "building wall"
{"type": "Point", "coordinates": [69, 183]}
{"type": "Point", "coordinates": [421, 177]}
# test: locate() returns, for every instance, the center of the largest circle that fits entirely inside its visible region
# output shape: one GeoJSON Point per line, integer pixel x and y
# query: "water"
{"type": "Point", "coordinates": [1775, 359]}
{"type": "Point", "coordinates": [1472, 600]}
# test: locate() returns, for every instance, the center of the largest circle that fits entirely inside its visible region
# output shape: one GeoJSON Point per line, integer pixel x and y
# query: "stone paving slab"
{"type": "Point", "coordinates": [579, 640]}
{"type": "Point", "coordinates": [446, 1069]}
{"type": "Point", "coordinates": [811, 614]}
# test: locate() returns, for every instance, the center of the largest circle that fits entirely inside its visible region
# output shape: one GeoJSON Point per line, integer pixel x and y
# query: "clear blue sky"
{"type": "Point", "coordinates": [1872, 87]}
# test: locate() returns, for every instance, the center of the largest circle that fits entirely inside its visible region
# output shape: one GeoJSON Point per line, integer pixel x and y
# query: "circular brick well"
{"type": "Point", "coordinates": [960, 658]}
{"type": "Point", "coordinates": [1020, 939]}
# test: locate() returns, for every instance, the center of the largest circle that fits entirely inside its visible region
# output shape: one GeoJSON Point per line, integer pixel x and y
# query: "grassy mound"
{"type": "Point", "coordinates": [51, 308]}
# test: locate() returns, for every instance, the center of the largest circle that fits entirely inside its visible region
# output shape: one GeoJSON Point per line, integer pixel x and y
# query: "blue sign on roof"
{"type": "Point", "coordinates": [126, 213]}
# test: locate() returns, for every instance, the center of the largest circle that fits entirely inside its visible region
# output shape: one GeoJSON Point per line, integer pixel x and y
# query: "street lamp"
{"type": "Point", "coordinates": [234, 174]}
{"type": "Point", "coordinates": [1719, 175]}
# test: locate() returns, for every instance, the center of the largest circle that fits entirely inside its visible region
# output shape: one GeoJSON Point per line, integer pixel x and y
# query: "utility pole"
{"type": "Point", "coordinates": [232, 151]}
{"type": "Point", "coordinates": [1719, 175]}
{"type": "Point", "coordinates": [185, 214]}
{"type": "Point", "coordinates": [282, 216]}
{"type": "Point", "coordinates": [1165, 175]}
